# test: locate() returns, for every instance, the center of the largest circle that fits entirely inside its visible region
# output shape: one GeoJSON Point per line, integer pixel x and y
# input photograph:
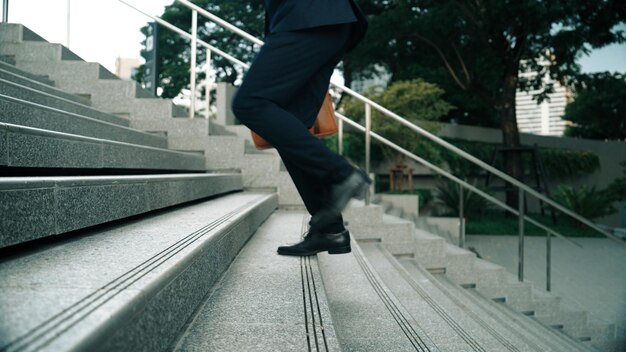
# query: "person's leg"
{"type": "Point", "coordinates": [313, 194]}
{"type": "Point", "coordinates": [283, 67]}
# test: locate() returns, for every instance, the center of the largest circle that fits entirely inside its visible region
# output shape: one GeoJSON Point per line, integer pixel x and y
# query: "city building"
{"type": "Point", "coordinates": [545, 118]}
{"type": "Point", "coordinates": [126, 68]}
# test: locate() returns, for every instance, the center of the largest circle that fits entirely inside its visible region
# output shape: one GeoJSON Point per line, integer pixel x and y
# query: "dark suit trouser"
{"type": "Point", "coordinates": [280, 98]}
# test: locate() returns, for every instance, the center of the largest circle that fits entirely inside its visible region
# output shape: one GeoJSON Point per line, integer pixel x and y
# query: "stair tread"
{"type": "Point", "coordinates": [126, 263]}
{"type": "Point", "coordinates": [43, 81]}
{"type": "Point", "coordinates": [447, 324]}
{"type": "Point", "coordinates": [260, 303]}
{"type": "Point", "coordinates": [541, 338]}
{"type": "Point", "coordinates": [54, 101]}
{"type": "Point", "coordinates": [367, 317]}
{"type": "Point", "coordinates": [39, 116]}
{"type": "Point", "coordinates": [36, 147]}
{"type": "Point", "coordinates": [42, 206]}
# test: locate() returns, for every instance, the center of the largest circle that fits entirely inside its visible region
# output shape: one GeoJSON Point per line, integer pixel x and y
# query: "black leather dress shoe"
{"type": "Point", "coordinates": [314, 242]}
{"type": "Point", "coordinates": [354, 186]}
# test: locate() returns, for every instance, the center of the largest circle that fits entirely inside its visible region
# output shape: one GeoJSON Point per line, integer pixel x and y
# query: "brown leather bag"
{"type": "Point", "coordinates": [325, 124]}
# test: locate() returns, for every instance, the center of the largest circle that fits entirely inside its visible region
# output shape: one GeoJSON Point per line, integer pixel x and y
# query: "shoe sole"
{"type": "Point", "coordinates": [339, 250]}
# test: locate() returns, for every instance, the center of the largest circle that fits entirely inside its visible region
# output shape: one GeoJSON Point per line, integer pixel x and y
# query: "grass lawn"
{"type": "Point", "coordinates": [495, 223]}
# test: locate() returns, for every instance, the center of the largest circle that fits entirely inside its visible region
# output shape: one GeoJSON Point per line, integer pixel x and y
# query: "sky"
{"type": "Point", "coordinates": [102, 30]}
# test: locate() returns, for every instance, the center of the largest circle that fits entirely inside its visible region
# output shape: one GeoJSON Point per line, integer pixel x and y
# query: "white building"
{"type": "Point", "coordinates": [545, 118]}
{"type": "Point", "coordinates": [126, 68]}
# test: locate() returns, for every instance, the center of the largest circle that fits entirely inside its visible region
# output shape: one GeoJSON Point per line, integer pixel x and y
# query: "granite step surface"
{"type": "Point", "coordinates": [56, 101]}
{"type": "Point", "coordinates": [367, 316]}
{"type": "Point", "coordinates": [23, 113]}
{"type": "Point", "coordinates": [28, 147]}
{"type": "Point", "coordinates": [128, 286]}
{"type": "Point", "coordinates": [23, 81]}
{"type": "Point", "coordinates": [14, 33]}
{"type": "Point", "coordinates": [537, 335]}
{"type": "Point", "coordinates": [111, 95]}
{"type": "Point", "coordinates": [8, 59]}
{"type": "Point", "coordinates": [266, 302]}
{"type": "Point", "coordinates": [469, 314]}
{"type": "Point", "coordinates": [37, 207]}
{"type": "Point", "coordinates": [447, 325]}
{"type": "Point", "coordinates": [8, 67]}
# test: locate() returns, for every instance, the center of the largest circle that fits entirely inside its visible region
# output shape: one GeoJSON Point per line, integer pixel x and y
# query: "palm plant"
{"type": "Point", "coordinates": [448, 196]}
{"type": "Point", "coordinates": [585, 200]}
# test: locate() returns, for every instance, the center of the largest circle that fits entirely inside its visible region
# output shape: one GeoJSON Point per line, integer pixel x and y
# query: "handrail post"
{"type": "Point", "coordinates": [461, 218]}
{"type": "Point", "coordinates": [368, 130]}
{"type": "Point", "coordinates": [5, 11]}
{"type": "Point", "coordinates": [520, 228]}
{"type": "Point", "coordinates": [340, 136]}
{"type": "Point", "coordinates": [548, 260]}
{"type": "Point", "coordinates": [208, 85]}
{"type": "Point", "coordinates": [67, 43]}
{"type": "Point", "coordinates": [192, 79]}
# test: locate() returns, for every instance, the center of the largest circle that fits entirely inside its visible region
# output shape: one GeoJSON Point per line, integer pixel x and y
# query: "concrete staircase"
{"type": "Point", "coordinates": [126, 227]}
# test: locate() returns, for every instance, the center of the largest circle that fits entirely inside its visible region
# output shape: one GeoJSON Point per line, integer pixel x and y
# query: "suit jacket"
{"type": "Point", "coordinates": [289, 15]}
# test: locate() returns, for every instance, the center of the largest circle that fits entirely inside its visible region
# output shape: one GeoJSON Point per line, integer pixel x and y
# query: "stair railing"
{"type": "Point", "coordinates": [523, 189]}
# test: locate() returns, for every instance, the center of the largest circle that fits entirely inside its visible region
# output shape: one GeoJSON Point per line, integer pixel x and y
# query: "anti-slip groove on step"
{"type": "Point", "coordinates": [46, 332]}
{"type": "Point", "coordinates": [436, 306]}
{"type": "Point", "coordinates": [503, 340]}
{"type": "Point", "coordinates": [510, 323]}
{"type": "Point", "coordinates": [311, 302]}
{"type": "Point", "coordinates": [407, 328]}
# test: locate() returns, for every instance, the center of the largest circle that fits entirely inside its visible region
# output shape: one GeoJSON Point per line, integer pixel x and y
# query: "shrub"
{"type": "Point", "coordinates": [448, 196]}
{"type": "Point", "coordinates": [585, 200]}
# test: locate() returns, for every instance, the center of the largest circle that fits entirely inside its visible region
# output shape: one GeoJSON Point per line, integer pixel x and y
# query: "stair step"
{"type": "Point", "coordinates": [266, 302]}
{"type": "Point", "coordinates": [175, 127]}
{"type": "Point", "coordinates": [37, 207]}
{"type": "Point", "coordinates": [13, 32]}
{"type": "Point", "coordinates": [35, 96]}
{"type": "Point", "coordinates": [367, 316]}
{"type": "Point", "coordinates": [8, 60]}
{"type": "Point", "coordinates": [34, 115]}
{"type": "Point", "coordinates": [536, 335]}
{"type": "Point", "coordinates": [129, 286]}
{"type": "Point", "coordinates": [221, 152]}
{"type": "Point", "coordinates": [29, 147]}
{"type": "Point", "coordinates": [448, 325]}
{"type": "Point", "coordinates": [35, 80]}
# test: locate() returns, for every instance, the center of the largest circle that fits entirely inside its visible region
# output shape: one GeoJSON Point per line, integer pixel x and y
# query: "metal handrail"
{"type": "Point", "coordinates": [419, 130]}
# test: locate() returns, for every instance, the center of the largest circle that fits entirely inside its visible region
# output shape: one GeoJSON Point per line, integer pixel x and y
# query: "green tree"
{"type": "Point", "coordinates": [479, 47]}
{"type": "Point", "coordinates": [599, 107]}
{"type": "Point", "coordinates": [174, 50]}
{"type": "Point", "coordinates": [418, 101]}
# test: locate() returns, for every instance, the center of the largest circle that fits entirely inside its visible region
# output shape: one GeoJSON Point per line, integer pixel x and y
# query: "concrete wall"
{"type": "Point", "coordinates": [610, 153]}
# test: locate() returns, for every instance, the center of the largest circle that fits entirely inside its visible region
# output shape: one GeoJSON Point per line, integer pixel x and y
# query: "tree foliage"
{"type": "Point", "coordinates": [470, 48]}
{"type": "Point", "coordinates": [475, 50]}
{"type": "Point", "coordinates": [174, 50]}
{"type": "Point", "coordinates": [599, 107]}
{"type": "Point", "coordinates": [585, 200]}
{"type": "Point", "coordinates": [418, 101]}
